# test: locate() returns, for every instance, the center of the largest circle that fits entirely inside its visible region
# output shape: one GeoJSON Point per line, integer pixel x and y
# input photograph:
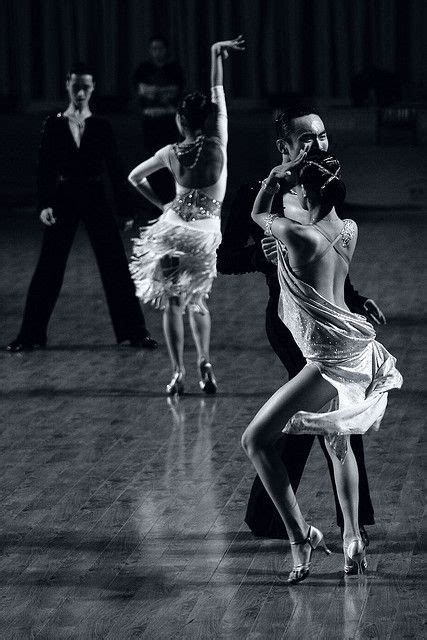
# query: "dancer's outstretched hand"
{"type": "Point", "coordinates": [373, 312]}
{"type": "Point", "coordinates": [269, 248]}
{"type": "Point", "coordinates": [224, 46]}
{"type": "Point", "coordinates": [284, 171]}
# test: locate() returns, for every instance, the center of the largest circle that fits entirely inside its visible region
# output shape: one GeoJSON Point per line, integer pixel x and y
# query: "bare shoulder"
{"type": "Point", "coordinates": [349, 231]}
{"type": "Point", "coordinates": [287, 229]}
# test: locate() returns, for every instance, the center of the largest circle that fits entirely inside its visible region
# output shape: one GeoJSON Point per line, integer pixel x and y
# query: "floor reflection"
{"type": "Point", "coordinates": [343, 616]}
{"type": "Point", "coordinates": [183, 498]}
{"type": "Point", "coordinates": [190, 443]}
{"type": "Point", "coordinates": [354, 600]}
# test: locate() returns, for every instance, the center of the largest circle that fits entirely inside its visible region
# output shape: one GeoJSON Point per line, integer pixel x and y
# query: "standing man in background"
{"type": "Point", "coordinates": [76, 150]}
{"type": "Point", "coordinates": [159, 83]}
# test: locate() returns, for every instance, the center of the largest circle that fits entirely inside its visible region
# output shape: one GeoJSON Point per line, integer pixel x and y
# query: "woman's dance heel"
{"type": "Point", "coordinates": [355, 562]}
{"type": "Point", "coordinates": [316, 541]}
{"type": "Point", "coordinates": [207, 381]}
{"type": "Point", "coordinates": [176, 385]}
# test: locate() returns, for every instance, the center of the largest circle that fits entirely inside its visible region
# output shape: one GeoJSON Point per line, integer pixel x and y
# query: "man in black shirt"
{"type": "Point", "coordinates": [159, 83]}
{"type": "Point", "coordinates": [75, 151]}
{"type": "Point", "coordinates": [236, 256]}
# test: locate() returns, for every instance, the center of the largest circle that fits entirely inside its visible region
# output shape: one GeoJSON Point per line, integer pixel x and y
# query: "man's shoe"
{"type": "Point", "coordinates": [147, 342]}
{"type": "Point", "coordinates": [25, 345]}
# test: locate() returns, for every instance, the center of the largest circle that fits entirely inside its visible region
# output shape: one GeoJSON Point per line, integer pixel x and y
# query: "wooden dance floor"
{"type": "Point", "coordinates": [122, 511]}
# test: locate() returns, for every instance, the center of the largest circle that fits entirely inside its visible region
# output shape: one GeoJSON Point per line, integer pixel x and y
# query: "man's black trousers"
{"type": "Point", "coordinates": [89, 206]}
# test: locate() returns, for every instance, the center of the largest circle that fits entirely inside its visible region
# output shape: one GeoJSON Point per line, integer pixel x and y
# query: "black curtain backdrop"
{"type": "Point", "coordinates": [310, 47]}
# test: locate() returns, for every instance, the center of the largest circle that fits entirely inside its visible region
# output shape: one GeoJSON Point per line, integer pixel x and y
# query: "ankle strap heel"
{"type": "Point", "coordinates": [355, 562]}
{"type": "Point", "coordinates": [176, 385]}
{"type": "Point", "coordinates": [316, 540]}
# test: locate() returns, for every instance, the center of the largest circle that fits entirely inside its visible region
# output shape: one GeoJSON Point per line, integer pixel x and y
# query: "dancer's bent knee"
{"type": "Point", "coordinates": [255, 441]}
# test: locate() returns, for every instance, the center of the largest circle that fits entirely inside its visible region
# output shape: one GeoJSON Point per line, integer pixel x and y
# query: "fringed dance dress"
{"type": "Point", "coordinates": [176, 256]}
{"type": "Point", "coordinates": [342, 346]}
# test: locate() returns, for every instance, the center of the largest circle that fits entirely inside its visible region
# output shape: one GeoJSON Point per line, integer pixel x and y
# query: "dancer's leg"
{"type": "Point", "coordinates": [125, 312]}
{"type": "Point", "coordinates": [308, 391]}
{"type": "Point", "coordinates": [47, 279]}
{"type": "Point", "coordinates": [366, 510]}
{"type": "Point", "coordinates": [173, 327]}
{"type": "Point", "coordinates": [200, 324]}
{"type": "Point", "coordinates": [347, 484]}
{"type": "Point", "coordinates": [261, 514]}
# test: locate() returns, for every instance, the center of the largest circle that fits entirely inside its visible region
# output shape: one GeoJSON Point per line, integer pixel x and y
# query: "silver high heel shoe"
{"type": "Point", "coordinates": [207, 381]}
{"type": "Point", "coordinates": [355, 562]}
{"type": "Point", "coordinates": [176, 385]}
{"type": "Point", "coordinates": [316, 540]}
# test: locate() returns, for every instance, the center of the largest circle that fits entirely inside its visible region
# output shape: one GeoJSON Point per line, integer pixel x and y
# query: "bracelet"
{"type": "Point", "coordinates": [268, 222]}
{"type": "Point", "coordinates": [269, 188]}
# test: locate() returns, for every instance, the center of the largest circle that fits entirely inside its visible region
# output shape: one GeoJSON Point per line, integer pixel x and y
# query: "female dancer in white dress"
{"type": "Point", "coordinates": [174, 260]}
{"type": "Point", "coordinates": [345, 365]}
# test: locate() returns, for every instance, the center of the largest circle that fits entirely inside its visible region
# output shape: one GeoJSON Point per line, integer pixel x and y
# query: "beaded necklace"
{"type": "Point", "coordinates": [189, 147]}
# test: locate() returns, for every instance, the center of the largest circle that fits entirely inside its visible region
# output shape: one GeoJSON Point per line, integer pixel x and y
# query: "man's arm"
{"type": "Point", "coordinates": [46, 177]}
{"type": "Point", "coordinates": [234, 255]}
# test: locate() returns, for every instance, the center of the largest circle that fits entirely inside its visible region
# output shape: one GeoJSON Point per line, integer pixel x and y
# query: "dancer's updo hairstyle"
{"type": "Point", "coordinates": [195, 107]}
{"type": "Point", "coordinates": [320, 174]}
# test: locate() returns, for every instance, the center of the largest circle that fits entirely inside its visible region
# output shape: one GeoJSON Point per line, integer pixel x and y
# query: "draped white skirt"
{"type": "Point", "coordinates": [342, 346]}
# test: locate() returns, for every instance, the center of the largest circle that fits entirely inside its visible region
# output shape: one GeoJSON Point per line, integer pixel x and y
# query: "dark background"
{"type": "Point", "coordinates": [313, 47]}
{"type": "Point", "coordinates": [360, 62]}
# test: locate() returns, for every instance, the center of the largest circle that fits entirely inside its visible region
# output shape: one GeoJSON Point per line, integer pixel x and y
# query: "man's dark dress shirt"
{"type": "Point", "coordinates": [62, 163]}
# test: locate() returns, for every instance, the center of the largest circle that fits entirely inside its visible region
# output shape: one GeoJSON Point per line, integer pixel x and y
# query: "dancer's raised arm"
{"type": "Point", "coordinates": [261, 212]}
{"type": "Point", "coordinates": [219, 51]}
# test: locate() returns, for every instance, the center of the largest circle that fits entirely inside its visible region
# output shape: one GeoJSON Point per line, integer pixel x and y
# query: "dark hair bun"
{"type": "Point", "coordinates": [195, 107]}
{"type": "Point", "coordinates": [321, 176]}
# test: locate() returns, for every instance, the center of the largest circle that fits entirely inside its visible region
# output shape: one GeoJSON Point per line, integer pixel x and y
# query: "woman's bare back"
{"type": "Point", "coordinates": [320, 255]}
{"type": "Point", "coordinates": [207, 169]}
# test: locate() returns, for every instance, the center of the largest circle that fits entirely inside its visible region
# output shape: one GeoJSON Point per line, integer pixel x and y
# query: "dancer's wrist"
{"type": "Point", "coordinates": [270, 185]}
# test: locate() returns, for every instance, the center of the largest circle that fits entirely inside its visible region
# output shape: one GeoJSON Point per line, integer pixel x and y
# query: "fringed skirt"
{"type": "Point", "coordinates": [173, 257]}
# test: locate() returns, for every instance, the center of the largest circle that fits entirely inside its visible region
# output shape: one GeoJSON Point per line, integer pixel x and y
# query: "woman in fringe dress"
{"type": "Point", "coordinates": [174, 260]}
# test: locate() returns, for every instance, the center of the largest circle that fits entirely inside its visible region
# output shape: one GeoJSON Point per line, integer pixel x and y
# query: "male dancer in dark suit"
{"type": "Point", "coordinates": [298, 128]}
{"type": "Point", "coordinates": [75, 151]}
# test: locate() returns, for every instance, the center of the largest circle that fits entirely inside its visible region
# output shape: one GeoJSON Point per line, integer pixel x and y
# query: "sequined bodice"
{"type": "Point", "coordinates": [196, 205]}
